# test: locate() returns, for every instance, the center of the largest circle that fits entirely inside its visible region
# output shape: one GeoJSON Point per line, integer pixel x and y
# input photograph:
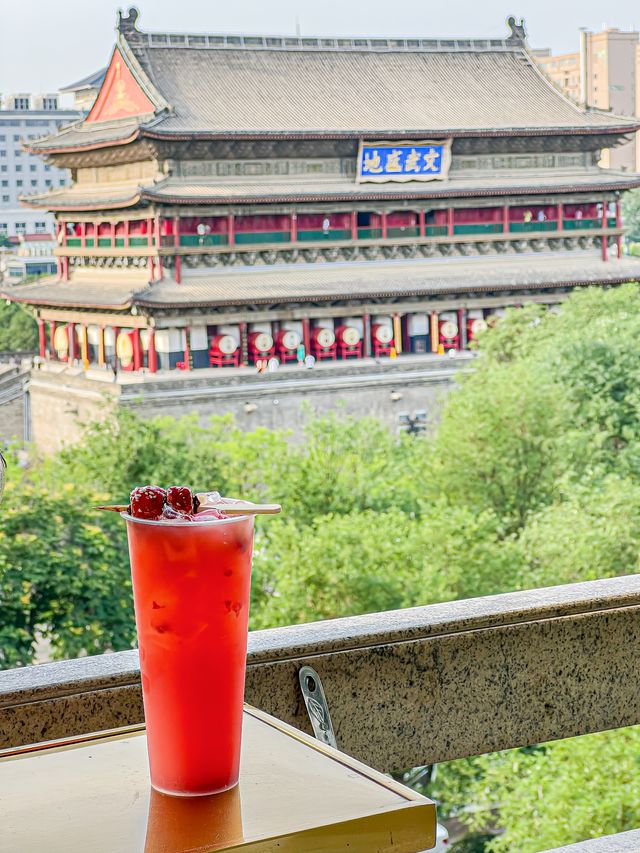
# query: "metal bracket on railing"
{"type": "Point", "coordinates": [316, 704]}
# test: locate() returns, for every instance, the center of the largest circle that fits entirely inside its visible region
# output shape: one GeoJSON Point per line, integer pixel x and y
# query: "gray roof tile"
{"type": "Point", "coordinates": [328, 282]}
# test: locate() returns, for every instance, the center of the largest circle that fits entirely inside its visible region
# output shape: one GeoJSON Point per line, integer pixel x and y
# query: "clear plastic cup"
{"type": "Point", "coordinates": [191, 583]}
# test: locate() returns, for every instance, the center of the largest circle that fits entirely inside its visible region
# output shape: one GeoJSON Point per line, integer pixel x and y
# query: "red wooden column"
{"type": "Point", "coordinates": [354, 225]}
{"type": "Point", "coordinates": [42, 338]}
{"type": "Point", "coordinates": [177, 260]}
{"type": "Point", "coordinates": [619, 225]}
{"type": "Point", "coordinates": [422, 226]}
{"type": "Point", "coordinates": [244, 344]}
{"type": "Point", "coordinates": [231, 232]}
{"type": "Point", "coordinates": [384, 225]}
{"type": "Point", "coordinates": [560, 216]}
{"type": "Point", "coordinates": [83, 235]}
{"type": "Point", "coordinates": [65, 269]}
{"type": "Point", "coordinates": [187, 349]}
{"type": "Point", "coordinates": [449, 222]}
{"type": "Point", "coordinates": [137, 350]}
{"type": "Point", "coordinates": [72, 341]}
{"type": "Point", "coordinates": [605, 239]}
{"type": "Point", "coordinates": [505, 219]}
{"type": "Point", "coordinates": [113, 235]}
{"type": "Point", "coordinates": [127, 225]}
{"type": "Point", "coordinates": [293, 236]}
{"type": "Point", "coordinates": [150, 233]}
{"type": "Point", "coordinates": [158, 265]}
{"type": "Point", "coordinates": [60, 240]}
{"type": "Point", "coordinates": [52, 338]}
{"type": "Point", "coordinates": [306, 335]}
{"type": "Point", "coordinates": [152, 354]}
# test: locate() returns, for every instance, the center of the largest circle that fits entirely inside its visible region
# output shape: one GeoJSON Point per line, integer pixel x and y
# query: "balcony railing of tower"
{"type": "Point", "coordinates": [259, 230]}
{"type": "Point", "coordinates": [405, 688]}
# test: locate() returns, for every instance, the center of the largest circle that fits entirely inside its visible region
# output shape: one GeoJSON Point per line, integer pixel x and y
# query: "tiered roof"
{"type": "Point", "coordinates": [322, 283]}
{"type": "Point", "coordinates": [221, 87]}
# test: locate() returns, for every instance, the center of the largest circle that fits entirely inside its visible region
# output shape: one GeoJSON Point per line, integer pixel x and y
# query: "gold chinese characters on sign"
{"type": "Point", "coordinates": [380, 162]}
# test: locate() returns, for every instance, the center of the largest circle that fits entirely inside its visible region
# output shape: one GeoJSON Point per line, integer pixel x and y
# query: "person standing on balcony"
{"type": "Point", "coordinates": [528, 216]}
{"type": "Point", "coordinates": [326, 225]}
{"type": "Point", "coordinates": [541, 216]}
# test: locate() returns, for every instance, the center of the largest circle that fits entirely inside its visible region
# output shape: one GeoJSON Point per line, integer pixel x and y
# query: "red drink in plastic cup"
{"type": "Point", "coordinates": [191, 584]}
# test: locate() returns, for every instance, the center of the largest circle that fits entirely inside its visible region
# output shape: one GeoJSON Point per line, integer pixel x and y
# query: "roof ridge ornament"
{"type": "Point", "coordinates": [127, 23]}
{"type": "Point", "coordinates": [518, 33]}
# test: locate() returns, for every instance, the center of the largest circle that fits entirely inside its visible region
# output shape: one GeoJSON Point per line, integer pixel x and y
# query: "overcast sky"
{"type": "Point", "coordinates": [45, 44]}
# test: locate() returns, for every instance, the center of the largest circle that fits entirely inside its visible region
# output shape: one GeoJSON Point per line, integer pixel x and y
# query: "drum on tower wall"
{"type": "Point", "coordinates": [449, 332]}
{"type": "Point", "coordinates": [261, 345]}
{"type": "Point", "coordinates": [349, 339]}
{"type": "Point", "coordinates": [323, 342]}
{"type": "Point", "coordinates": [475, 325]}
{"type": "Point", "coordinates": [287, 342]}
{"type": "Point", "coordinates": [224, 344]}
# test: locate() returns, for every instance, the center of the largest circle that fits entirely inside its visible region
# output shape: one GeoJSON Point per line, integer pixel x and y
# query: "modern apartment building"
{"type": "Point", "coordinates": [27, 117]}
{"type": "Point", "coordinates": [603, 73]}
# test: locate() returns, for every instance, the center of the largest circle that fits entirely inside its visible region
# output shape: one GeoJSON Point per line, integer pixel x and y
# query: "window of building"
{"type": "Point", "coordinates": [5, 198]}
{"type": "Point", "coordinates": [32, 167]}
{"type": "Point", "coordinates": [47, 183]}
{"type": "Point", "coordinates": [21, 103]}
{"type": "Point", "coordinates": [47, 168]}
{"type": "Point", "coordinates": [34, 183]}
{"type": "Point", "coordinates": [41, 227]}
{"type": "Point", "coordinates": [18, 183]}
{"type": "Point", "coordinates": [3, 227]}
{"type": "Point", "coordinates": [50, 103]}
{"type": "Point", "coordinates": [18, 168]}
{"type": "Point", "coordinates": [16, 137]}
{"type": "Point", "coordinates": [3, 152]}
{"type": "Point", "coordinates": [3, 168]}
{"type": "Point", "coordinates": [5, 183]}
{"type": "Point", "coordinates": [21, 227]}
{"type": "Point", "coordinates": [62, 182]}
{"type": "Point", "coordinates": [3, 138]}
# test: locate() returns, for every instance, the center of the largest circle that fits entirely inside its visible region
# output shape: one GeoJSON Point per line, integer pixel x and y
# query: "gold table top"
{"type": "Point", "coordinates": [295, 794]}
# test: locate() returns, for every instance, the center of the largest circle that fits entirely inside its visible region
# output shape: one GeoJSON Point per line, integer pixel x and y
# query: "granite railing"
{"type": "Point", "coordinates": [404, 688]}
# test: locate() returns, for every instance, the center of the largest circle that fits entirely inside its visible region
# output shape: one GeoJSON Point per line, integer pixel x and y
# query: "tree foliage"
{"type": "Point", "coordinates": [18, 329]}
{"type": "Point", "coordinates": [532, 478]}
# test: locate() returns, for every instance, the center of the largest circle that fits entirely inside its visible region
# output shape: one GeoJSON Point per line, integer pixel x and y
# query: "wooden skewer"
{"type": "Point", "coordinates": [207, 501]}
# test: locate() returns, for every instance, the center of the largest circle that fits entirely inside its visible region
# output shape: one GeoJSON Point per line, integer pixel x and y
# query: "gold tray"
{"type": "Point", "coordinates": [296, 795]}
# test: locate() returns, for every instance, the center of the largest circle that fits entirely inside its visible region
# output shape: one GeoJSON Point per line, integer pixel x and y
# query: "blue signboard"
{"type": "Point", "coordinates": [413, 161]}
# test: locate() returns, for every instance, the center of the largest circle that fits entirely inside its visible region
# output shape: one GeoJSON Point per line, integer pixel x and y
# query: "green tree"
{"type": "Point", "coordinates": [564, 792]}
{"type": "Point", "coordinates": [64, 575]}
{"type": "Point", "coordinates": [631, 214]}
{"type": "Point", "coordinates": [18, 329]}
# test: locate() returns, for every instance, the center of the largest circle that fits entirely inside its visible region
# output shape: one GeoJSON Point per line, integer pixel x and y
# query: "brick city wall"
{"type": "Point", "coordinates": [63, 402]}
{"type": "Point", "coordinates": [12, 403]}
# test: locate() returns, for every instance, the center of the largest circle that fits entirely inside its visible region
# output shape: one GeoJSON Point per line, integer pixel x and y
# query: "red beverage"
{"type": "Point", "coordinates": [191, 585]}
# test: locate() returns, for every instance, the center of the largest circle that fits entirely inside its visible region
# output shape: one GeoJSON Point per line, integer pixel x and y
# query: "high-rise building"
{"type": "Point", "coordinates": [24, 118]}
{"type": "Point", "coordinates": [603, 74]}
